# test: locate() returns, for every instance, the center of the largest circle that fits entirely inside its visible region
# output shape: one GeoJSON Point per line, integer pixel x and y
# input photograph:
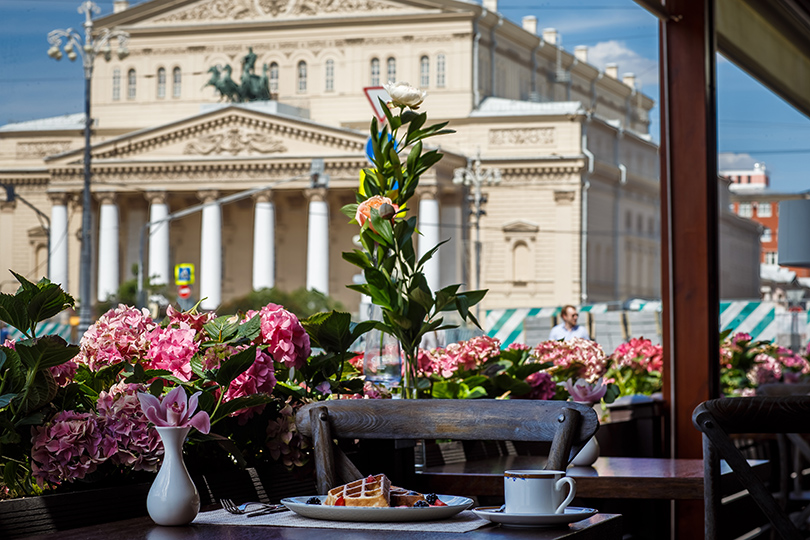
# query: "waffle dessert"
{"type": "Point", "coordinates": [404, 497]}
{"type": "Point", "coordinates": [372, 491]}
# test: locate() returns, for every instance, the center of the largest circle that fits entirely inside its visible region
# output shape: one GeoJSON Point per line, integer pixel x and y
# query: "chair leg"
{"type": "Point", "coordinates": [322, 442]}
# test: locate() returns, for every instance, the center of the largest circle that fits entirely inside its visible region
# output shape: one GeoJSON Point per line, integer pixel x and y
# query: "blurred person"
{"type": "Point", "coordinates": [568, 329]}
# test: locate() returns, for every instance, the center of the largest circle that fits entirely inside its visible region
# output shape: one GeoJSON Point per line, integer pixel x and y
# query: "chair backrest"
{"type": "Point", "coordinates": [717, 419]}
{"type": "Point", "coordinates": [567, 425]}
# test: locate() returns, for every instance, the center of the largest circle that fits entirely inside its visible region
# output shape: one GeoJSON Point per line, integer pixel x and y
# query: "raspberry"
{"type": "Point", "coordinates": [314, 500]}
{"type": "Point", "coordinates": [421, 504]}
{"type": "Point", "coordinates": [431, 498]}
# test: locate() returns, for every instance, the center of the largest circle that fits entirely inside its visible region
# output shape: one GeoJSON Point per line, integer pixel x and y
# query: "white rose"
{"type": "Point", "coordinates": [404, 95]}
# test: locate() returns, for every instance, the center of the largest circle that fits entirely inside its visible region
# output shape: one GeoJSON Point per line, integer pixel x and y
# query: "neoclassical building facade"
{"type": "Point", "coordinates": [229, 187]}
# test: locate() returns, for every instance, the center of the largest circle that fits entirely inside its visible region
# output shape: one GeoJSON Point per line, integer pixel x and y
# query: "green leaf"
{"type": "Point", "coordinates": [361, 328]}
{"type": "Point", "coordinates": [240, 403]}
{"type": "Point", "coordinates": [473, 297]}
{"type": "Point", "coordinates": [235, 365]}
{"type": "Point", "coordinates": [379, 287]}
{"type": "Point", "coordinates": [47, 302]}
{"type": "Point", "coordinates": [357, 258]}
{"type": "Point", "coordinates": [382, 227]}
{"type": "Point", "coordinates": [45, 352]}
{"type": "Point", "coordinates": [331, 331]}
{"type": "Point", "coordinates": [427, 256]}
{"type": "Point", "coordinates": [350, 210]}
{"type": "Point", "coordinates": [251, 329]}
{"type": "Point", "coordinates": [5, 399]}
{"type": "Point", "coordinates": [393, 121]}
{"type": "Point", "coordinates": [222, 328]}
{"type": "Point", "coordinates": [156, 388]}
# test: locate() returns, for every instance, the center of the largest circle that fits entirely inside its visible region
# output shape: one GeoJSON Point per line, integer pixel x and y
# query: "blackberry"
{"type": "Point", "coordinates": [314, 500]}
{"type": "Point", "coordinates": [431, 498]}
{"type": "Point", "coordinates": [421, 504]}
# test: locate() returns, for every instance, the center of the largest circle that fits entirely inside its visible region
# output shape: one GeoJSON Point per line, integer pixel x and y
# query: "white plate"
{"type": "Point", "coordinates": [357, 513]}
{"type": "Point", "coordinates": [572, 514]}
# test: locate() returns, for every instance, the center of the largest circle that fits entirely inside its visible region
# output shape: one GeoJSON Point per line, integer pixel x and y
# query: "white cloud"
{"type": "Point", "coordinates": [730, 160]}
{"type": "Point", "coordinates": [629, 61]}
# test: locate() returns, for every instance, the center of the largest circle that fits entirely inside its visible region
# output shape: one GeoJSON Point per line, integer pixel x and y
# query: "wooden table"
{"type": "Point", "coordinates": [598, 527]}
{"type": "Point", "coordinates": [610, 477]}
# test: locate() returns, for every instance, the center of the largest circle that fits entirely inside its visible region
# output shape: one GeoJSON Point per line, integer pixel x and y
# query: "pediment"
{"type": "Point", "coordinates": [520, 226]}
{"type": "Point", "coordinates": [232, 132]}
{"type": "Point", "coordinates": [196, 12]}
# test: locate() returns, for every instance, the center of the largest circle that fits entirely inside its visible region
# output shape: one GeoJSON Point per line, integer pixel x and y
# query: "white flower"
{"type": "Point", "coordinates": [404, 95]}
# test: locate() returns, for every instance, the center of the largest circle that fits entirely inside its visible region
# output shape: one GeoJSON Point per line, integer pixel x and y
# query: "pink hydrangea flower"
{"type": "Point", "coordinates": [288, 342]}
{"type": "Point", "coordinates": [196, 321]}
{"type": "Point", "coordinates": [585, 355]}
{"type": "Point", "coordinates": [518, 347]}
{"type": "Point", "coordinates": [543, 386]}
{"type": "Point", "coordinates": [122, 418]}
{"type": "Point", "coordinates": [357, 361]}
{"type": "Point", "coordinates": [172, 348]}
{"type": "Point", "coordinates": [214, 355]}
{"type": "Point", "coordinates": [120, 335]}
{"type": "Point", "coordinates": [283, 439]}
{"type": "Point", "coordinates": [639, 354]}
{"type": "Point", "coordinates": [176, 409]}
{"type": "Point", "coordinates": [63, 374]}
{"type": "Point", "coordinates": [259, 378]}
{"type": "Point", "coordinates": [68, 448]}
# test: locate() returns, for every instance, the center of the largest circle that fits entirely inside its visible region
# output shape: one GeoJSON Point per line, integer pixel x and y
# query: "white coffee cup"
{"type": "Point", "coordinates": [537, 491]}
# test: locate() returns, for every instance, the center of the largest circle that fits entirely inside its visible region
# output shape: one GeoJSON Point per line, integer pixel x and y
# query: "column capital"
{"type": "Point", "coordinates": [315, 194]}
{"type": "Point", "coordinates": [208, 195]}
{"type": "Point", "coordinates": [156, 197]}
{"type": "Point", "coordinates": [264, 196]}
{"type": "Point", "coordinates": [59, 198]}
{"type": "Point", "coordinates": [106, 197]}
{"type": "Point", "coordinates": [428, 192]}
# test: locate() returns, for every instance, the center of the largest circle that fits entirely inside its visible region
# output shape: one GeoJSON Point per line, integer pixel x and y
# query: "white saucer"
{"type": "Point", "coordinates": [496, 515]}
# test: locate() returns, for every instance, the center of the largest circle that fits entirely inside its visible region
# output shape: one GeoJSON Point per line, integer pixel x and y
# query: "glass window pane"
{"type": "Point", "coordinates": [274, 78]}
{"type": "Point", "coordinates": [424, 72]}
{"type": "Point", "coordinates": [375, 72]}
{"type": "Point", "coordinates": [330, 75]}
{"type": "Point", "coordinates": [131, 81]}
{"type": "Point", "coordinates": [392, 70]}
{"type": "Point", "coordinates": [116, 89]}
{"type": "Point", "coordinates": [161, 83]}
{"type": "Point", "coordinates": [302, 76]}
{"type": "Point", "coordinates": [177, 78]}
{"type": "Point", "coordinates": [440, 71]}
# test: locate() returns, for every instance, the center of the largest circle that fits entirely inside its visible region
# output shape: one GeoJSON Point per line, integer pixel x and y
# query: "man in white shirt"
{"type": "Point", "coordinates": [568, 329]}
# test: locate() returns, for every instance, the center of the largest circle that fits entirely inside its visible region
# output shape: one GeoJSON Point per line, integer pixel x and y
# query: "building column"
{"type": "Point", "coordinates": [264, 241]}
{"type": "Point", "coordinates": [211, 251]}
{"type": "Point", "coordinates": [429, 227]}
{"type": "Point", "coordinates": [318, 241]}
{"type": "Point", "coordinates": [58, 248]}
{"type": "Point", "coordinates": [108, 273]}
{"type": "Point", "coordinates": [159, 271]}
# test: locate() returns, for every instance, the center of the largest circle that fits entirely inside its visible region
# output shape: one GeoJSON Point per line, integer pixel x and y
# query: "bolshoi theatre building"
{"type": "Point", "coordinates": [573, 218]}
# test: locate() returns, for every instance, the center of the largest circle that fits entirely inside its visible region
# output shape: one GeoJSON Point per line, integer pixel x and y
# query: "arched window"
{"type": "Point", "coordinates": [330, 75]}
{"type": "Point", "coordinates": [131, 81]}
{"type": "Point", "coordinates": [424, 72]}
{"type": "Point", "coordinates": [273, 78]}
{"type": "Point", "coordinates": [177, 81]}
{"type": "Point", "coordinates": [161, 83]}
{"type": "Point", "coordinates": [392, 69]}
{"type": "Point", "coordinates": [375, 72]}
{"type": "Point", "coordinates": [302, 76]}
{"type": "Point", "coordinates": [440, 71]}
{"type": "Point", "coordinates": [116, 84]}
{"type": "Point", "coordinates": [521, 262]}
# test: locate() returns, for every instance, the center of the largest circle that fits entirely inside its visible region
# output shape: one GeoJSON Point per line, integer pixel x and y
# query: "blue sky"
{"type": "Point", "coordinates": [754, 125]}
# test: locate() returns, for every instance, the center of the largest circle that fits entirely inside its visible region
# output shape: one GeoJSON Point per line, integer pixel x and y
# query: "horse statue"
{"type": "Point", "coordinates": [264, 83]}
{"type": "Point", "coordinates": [214, 80]}
{"type": "Point", "coordinates": [228, 88]}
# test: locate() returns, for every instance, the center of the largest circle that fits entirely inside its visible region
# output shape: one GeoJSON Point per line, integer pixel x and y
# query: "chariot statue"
{"type": "Point", "coordinates": [251, 87]}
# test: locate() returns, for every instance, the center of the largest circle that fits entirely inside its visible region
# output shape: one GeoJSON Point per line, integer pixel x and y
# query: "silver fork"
{"type": "Point", "coordinates": [232, 508]}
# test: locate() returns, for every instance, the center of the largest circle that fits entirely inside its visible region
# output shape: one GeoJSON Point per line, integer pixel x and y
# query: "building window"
{"type": "Point", "coordinates": [766, 235]}
{"type": "Point", "coordinates": [177, 82]}
{"type": "Point", "coordinates": [161, 83]}
{"type": "Point", "coordinates": [764, 209]}
{"type": "Point", "coordinates": [440, 71]}
{"type": "Point", "coordinates": [330, 75]}
{"type": "Point", "coordinates": [628, 220]}
{"type": "Point", "coordinates": [745, 210]}
{"type": "Point", "coordinates": [302, 76]}
{"type": "Point", "coordinates": [771, 257]}
{"type": "Point", "coordinates": [274, 78]}
{"type": "Point", "coordinates": [424, 72]}
{"type": "Point", "coordinates": [392, 69]}
{"type": "Point", "coordinates": [375, 72]}
{"type": "Point", "coordinates": [131, 81]}
{"type": "Point", "coordinates": [116, 84]}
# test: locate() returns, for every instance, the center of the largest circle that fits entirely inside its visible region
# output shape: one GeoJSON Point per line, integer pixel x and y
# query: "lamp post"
{"type": "Point", "coordinates": [94, 44]}
{"type": "Point", "coordinates": [476, 175]}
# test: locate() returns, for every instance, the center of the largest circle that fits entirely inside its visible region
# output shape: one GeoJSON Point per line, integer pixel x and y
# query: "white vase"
{"type": "Point", "coordinates": [173, 498]}
{"type": "Point", "coordinates": [588, 455]}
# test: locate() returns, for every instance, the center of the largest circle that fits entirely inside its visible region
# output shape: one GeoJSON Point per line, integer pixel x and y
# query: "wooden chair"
{"type": "Point", "coordinates": [717, 419]}
{"type": "Point", "coordinates": [567, 425]}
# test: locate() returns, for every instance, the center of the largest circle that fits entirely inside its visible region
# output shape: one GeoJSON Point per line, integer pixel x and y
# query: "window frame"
{"type": "Point", "coordinates": [116, 84]}
{"type": "Point", "coordinates": [391, 69]}
{"type": "Point", "coordinates": [177, 82]}
{"type": "Point", "coordinates": [132, 84]}
{"type": "Point", "coordinates": [161, 83]}
{"type": "Point", "coordinates": [424, 71]}
{"type": "Point", "coordinates": [301, 77]}
{"type": "Point", "coordinates": [374, 71]}
{"type": "Point", "coordinates": [329, 75]}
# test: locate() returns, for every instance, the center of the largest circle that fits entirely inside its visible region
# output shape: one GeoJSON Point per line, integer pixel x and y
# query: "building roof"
{"type": "Point", "coordinates": [53, 123]}
{"type": "Point", "coordinates": [776, 273]}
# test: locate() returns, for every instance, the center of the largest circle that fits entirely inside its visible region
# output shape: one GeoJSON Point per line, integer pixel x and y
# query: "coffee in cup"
{"type": "Point", "coordinates": [537, 491]}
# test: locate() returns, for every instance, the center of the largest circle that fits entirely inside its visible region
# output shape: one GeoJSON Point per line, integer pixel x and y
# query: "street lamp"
{"type": "Point", "coordinates": [94, 44]}
{"type": "Point", "coordinates": [477, 176]}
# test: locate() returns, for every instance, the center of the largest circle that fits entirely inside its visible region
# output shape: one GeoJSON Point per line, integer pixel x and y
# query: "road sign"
{"type": "Point", "coordinates": [374, 95]}
{"type": "Point", "coordinates": [184, 291]}
{"type": "Point", "coordinates": [184, 274]}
